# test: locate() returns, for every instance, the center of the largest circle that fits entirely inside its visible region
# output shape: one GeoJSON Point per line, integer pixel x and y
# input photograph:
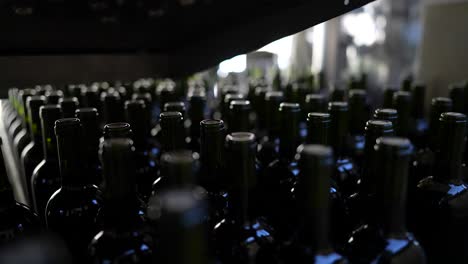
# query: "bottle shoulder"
{"type": "Point", "coordinates": [80, 199]}
{"type": "Point", "coordinates": [16, 220]}
{"type": "Point", "coordinates": [402, 250]}
{"type": "Point", "coordinates": [46, 169]}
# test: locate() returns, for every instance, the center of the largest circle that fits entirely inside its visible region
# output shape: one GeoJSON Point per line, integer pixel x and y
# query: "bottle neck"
{"type": "Point", "coordinates": [70, 159]}
{"type": "Point", "coordinates": [172, 132]}
{"type": "Point", "coordinates": [212, 157]}
{"type": "Point", "coordinates": [313, 192]}
{"type": "Point", "coordinates": [289, 138]}
{"type": "Point", "coordinates": [196, 114]}
{"type": "Point", "coordinates": [392, 191]}
{"type": "Point", "coordinates": [49, 141]}
{"type": "Point", "coordinates": [90, 143]}
{"type": "Point", "coordinates": [449, 157]}
{"type": "Point", "coordinates": [338, 132]}
{"type": "Point", "coordinates": [243, 177]}
{"type": "Point", "coordinates": [318, 128]}
{"type": "Point", "coordinates": [35, 130]}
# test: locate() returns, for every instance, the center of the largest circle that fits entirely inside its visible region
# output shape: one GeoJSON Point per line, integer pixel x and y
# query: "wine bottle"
{"type": "Point", "coordinates": [384, 238]}
{"type": "Point", "coordinates": [117, 130]}
{"type": "Point", "coordinates": [268, 147]}
{"type": "Point", "coordinates": [122, 238]}
{"type": "Point", "coordinates": [112, 107]}
{"type": "Point", "coordinates": [240, 237]}
{"type": "Point", "coordinates": [165, 93]}
{"type": "Point", "coordinates": [441, 206]}
{"type": "Point", "coordinates": [18, 220]}
{"type": "Point", "coordinates": [457, 95]}
{"type": "Point", "coordinates": [90, 145]}
{"type": "Point", "coordinates": [226, 103]}
{"type": "Point", "coordinates": [239, 116]}
{"type": "Point", "coordinates": [259, 106]}
{"type": "Point", "coordinates": [175, 107]}
{"type": "Point", "coordinates": [388, 96]}
{"type": "Point", "coordinates": [23, 122]}
{"type": "Point", "coordinates": [423, 162]}
{"type": "Point", "coordinates": [419, 136]}
{"type": "Point", "coordinates": [278, 179]}
{"type": "Point", "coordinates": [359, 114]}
{"type": "Point", "coordinates": [90, 97]}
{"type": "Point", "coordinates": [346, 175]}
{"type": "Point", "coordinates": [172, 131]}
{"type": "Point", "coordinates": [212, 174]}
{"type": "Point", "coordinates": [315, 103]}
{"type": "Point", "coordinates": [318, 125]}
{"type": "Point", "coordinates": [183, 240]}
{"type": "Point", "coordinates": [388, 114]}
{"type": "Point", "coordinates": [361, 201]}
{"type": "Point", "coordinates": [402, 102]}
{"type": "Point", "coordinates": [196, 114]}
{"type": "Point", "coordinates": [311, 240]}
{"type": "Point", "coordinates": [46, 176]}
{"type": "Point", "coordinates": [53, 97]}
{"type": "Point", "coordinates": [146, 159]}
{"type": "Point", "coordinates": [32, 154]}
{"type": "Point", "coordinates": [20, 130]}
{"type": "Point", "coordinates": [338, 94]}
{"type": "Point", "coordinates": [72, 209]}
{"type": "Point", "coordinates": [69, 106]}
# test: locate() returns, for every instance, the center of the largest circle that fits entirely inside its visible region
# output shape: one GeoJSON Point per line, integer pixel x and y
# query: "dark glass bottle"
{"type": "Point", "coordinates": [172, 131]}
{"type": "Point", "coordinates": [196, 114]}
{"type": "Point", "coordinates": [90, 144]}
{"type": "Point", "coordinates": [183, 240]}
{"type": "Point", "coordinates": [384, 238]}
{"type": "Point", "coordinates": [315, 103]}
{"type": "Point", "coordinates": [423, 162]}
{"type": "Point", "coordinates": [122, 238]}
{"type": "Point", "coordinates": [46, 177]}
{"type": "Point", "coordinates": [71, 211]}
{"type": "Point", "coordinates": [112, 107]}
{"type": "Point", "coordinates": [146, 159]}
{"type": "Point", "coordinates": [278, 179]}
{"type": "Point", "coordinates": [441, 206]}
{"type": "Point", "coordinates": [259, 107]}
{"type": "Point", "coordinates": [346, 175]}
{"type": "Point", "coordinates": [212, 174]}
{"type": "Point", "coordinates": [338, 94]}
{"type": "Point", "coordinates": [268, 147]}
{"type": "Point", "coordinates": [457, 95]}
{"type": "Point", "coordinates": [69, 106]}
{"type": "Point", "coordinates": [402, 102]}
{"type": "Point", "coordinates": [388, 114]}
{"type": "Point", "coordinates": [388, 96]}
{"type": "Point", "coordinates": [32, 154]}
{"type": "Point", "coordinates": [175, 107]}
{"type": "Point", "coordinates": [240, 237]}
{"type": "Point", "coordinates": [16, 220]}
{"type": "Point", "coordinates": [90, 97]}
{"type": "Point", "coordinates": [359, 202]}
{"type": "Point", "coordinates": [165, 93]}
{"type": "Point", "coordinates": [312, 235]}
{"type": "Point", "coordinates": [239, 116]}
{"type": "Point", "coordinates": [76, 91]}
{"type": "Point", "coordinates": [419, 135]}
{"type": "Point", "coordinates": [359, 114]}
{"type": "Point", "coordinates": [318, 125]}
{"type": "Point", "coordinates": [20, 129]}
{"type": "Point", "coordinates": [53, 97]}
{"type": "Point", "coordinates": [226, 103]}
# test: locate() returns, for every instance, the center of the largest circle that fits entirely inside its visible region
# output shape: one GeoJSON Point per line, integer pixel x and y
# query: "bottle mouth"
{"type": "Point", "coordinates": [240, 105]}
{"type": "Point", "coordinates": [67, 125]}
{"type": "Point", "coordinates": [379, 125]}
{"type": "Point", "coordinates": [453, 117]}
{"type": "Point", "coordinates": [315, 151]}
{"type": "Point", "coordinates": [241, 137]}
{"type": "Point", "coordinates": [289, 107]}
{"type": "Point", "coordinates": [394, 145]}
{"type": "Point", "coordinates": [170, 115]}
{"type": "Point", "coordinates": [212, 124]}
{"type": "Point", "coordinates": [50, 111]}
{"type": "Point", "coordinates": [317, 117]}
{"type": "Point", "coordinates": [338, 106]}
{"type": "Point", "coordinates": [274, 96]}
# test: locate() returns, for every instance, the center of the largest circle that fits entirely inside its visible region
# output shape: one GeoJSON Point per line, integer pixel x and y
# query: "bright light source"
{"type": "Point", "coordinates": [237, 64]}
{"type": "Point", "coordinates": [362, 27]}
{"type": "Point", "coordinates": [282, 48]}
